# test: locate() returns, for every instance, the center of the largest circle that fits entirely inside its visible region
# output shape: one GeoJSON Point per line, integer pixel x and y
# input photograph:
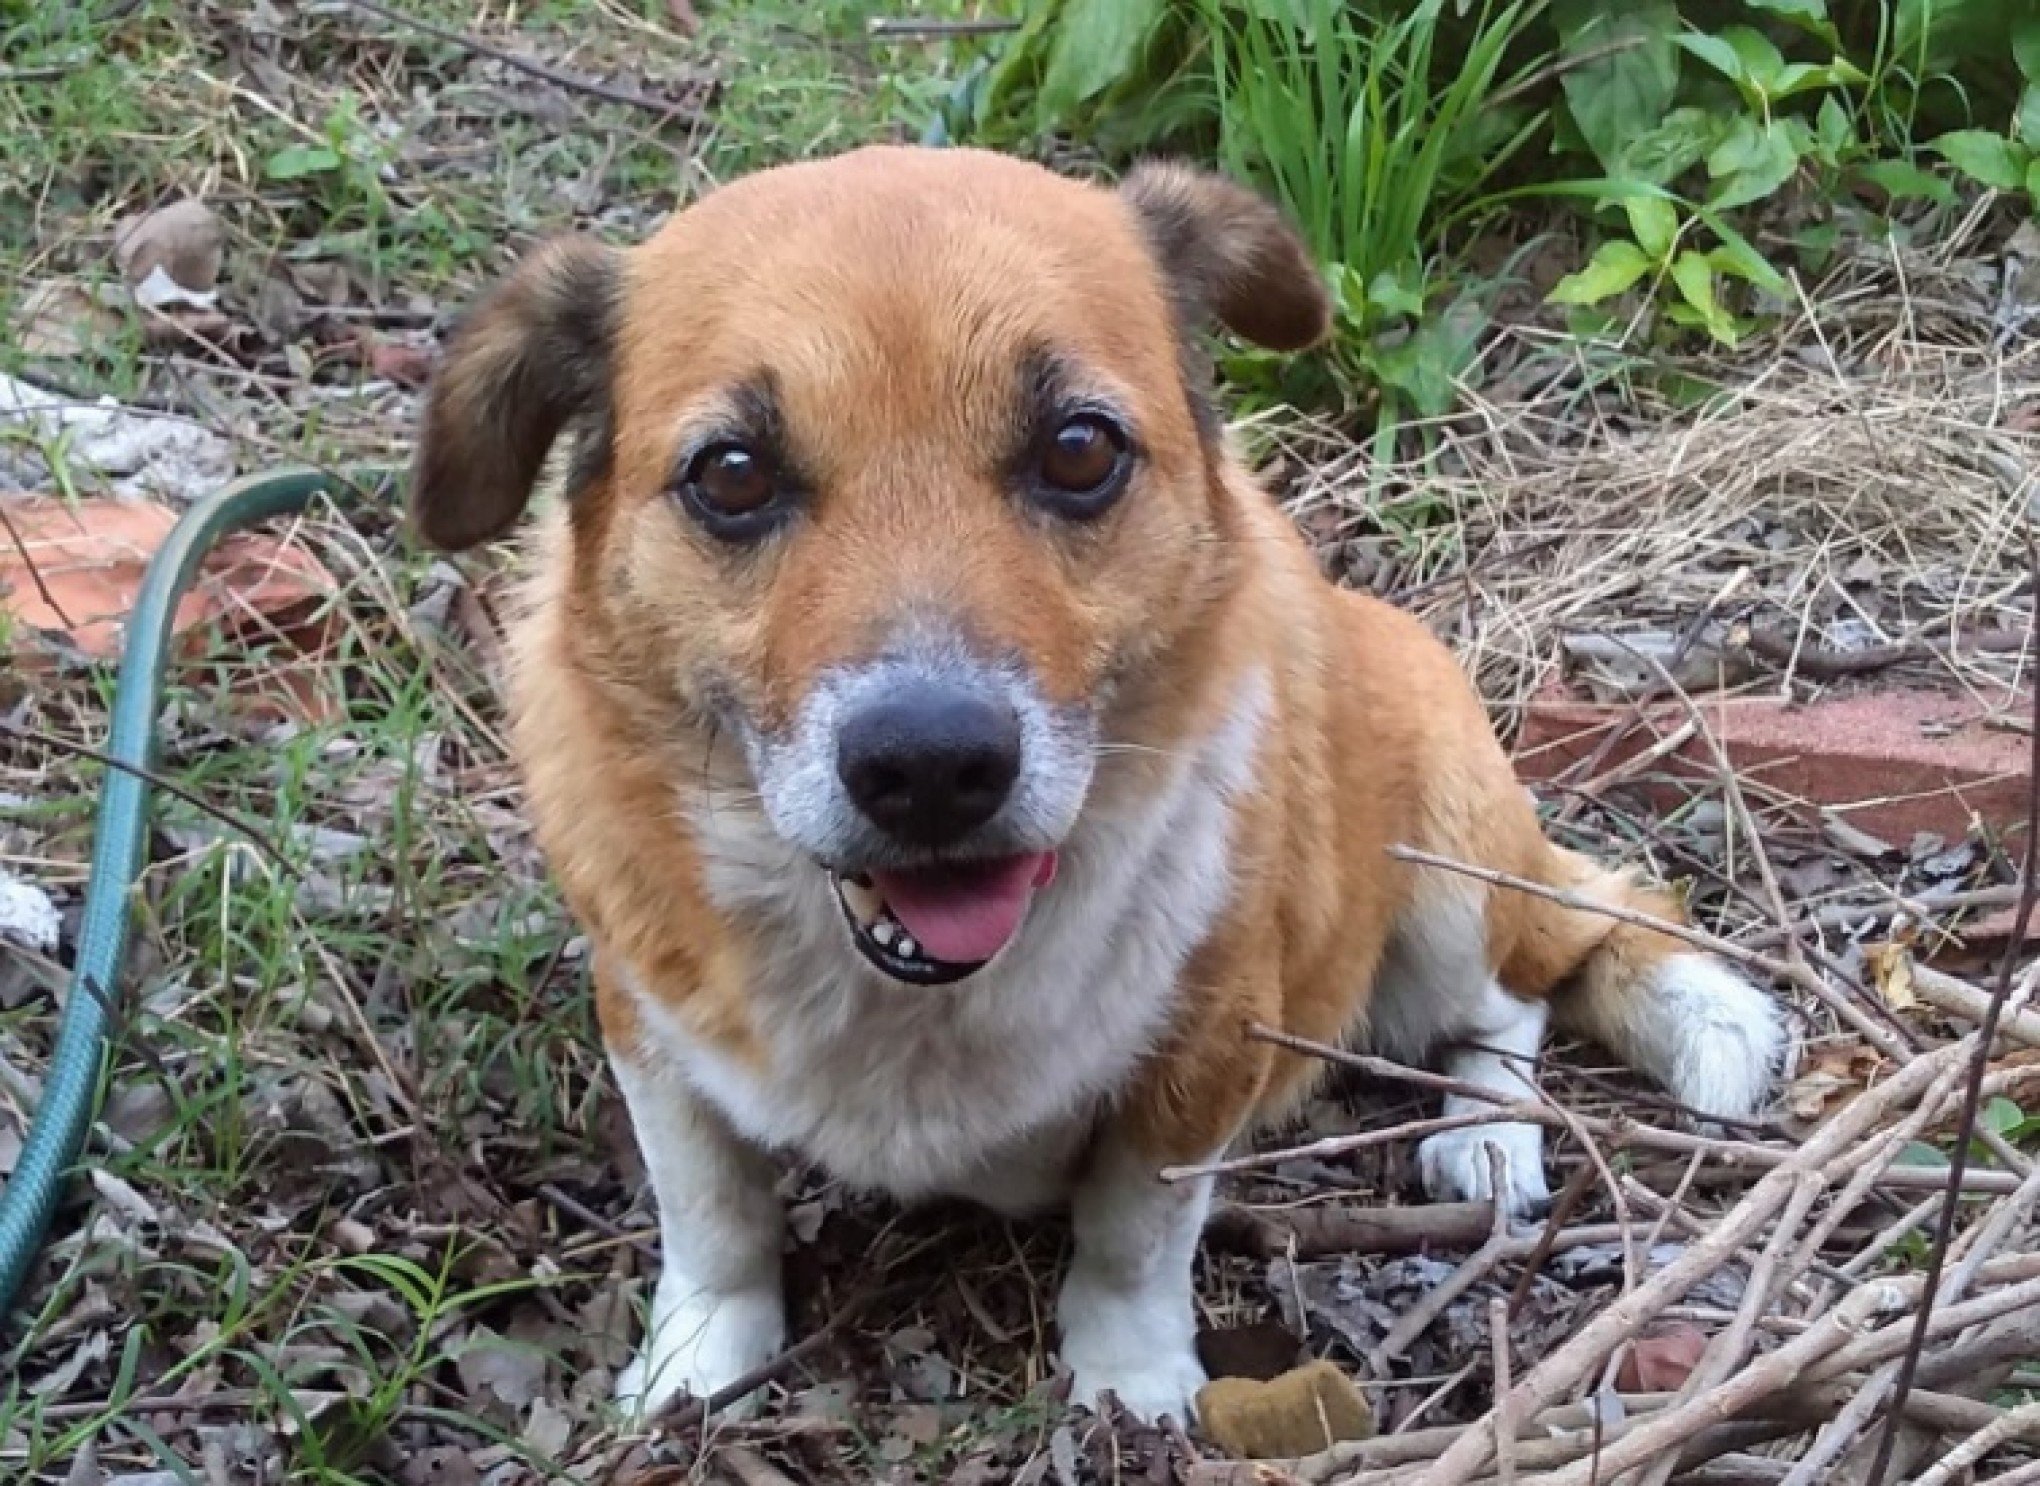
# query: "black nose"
{"type": "Point", "coordinates": [929, 763]}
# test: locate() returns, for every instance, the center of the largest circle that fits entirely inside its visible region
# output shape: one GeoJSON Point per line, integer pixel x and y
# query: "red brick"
{"type": "Point", "coordinates": [1887, 762]}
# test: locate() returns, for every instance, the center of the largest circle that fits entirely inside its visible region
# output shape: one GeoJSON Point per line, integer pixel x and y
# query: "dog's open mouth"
{"type": "Point", "coordinates": [930, 926]}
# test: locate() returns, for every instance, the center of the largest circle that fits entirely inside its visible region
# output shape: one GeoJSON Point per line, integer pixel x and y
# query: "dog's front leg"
{"type": "Point", "coordinates": [1128, 1308]}
{"type": "Point", "coordinates": [717, 1312]}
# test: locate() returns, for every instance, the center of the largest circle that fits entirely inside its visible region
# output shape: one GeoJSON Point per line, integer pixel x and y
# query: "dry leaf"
{"type": "Point", "coordinates": [491, 1367]}
{"type": "Point", "coordinates": [396, 361]}
{"type": "Point", "coordinates": [183, 243]}
{"type": "Point", "coordinates": [1891, 970]}
{"type": "Point", "coordinates": [547, 1431]}
{"type": "Point", "coordinates": [684, 16]}
{"type": "Point", "coordinates": [1662, 1359]}
{"type": "Point", "coordinates": [1832, 1072]}
{"type": "Point", "coordinates": [61, 318]}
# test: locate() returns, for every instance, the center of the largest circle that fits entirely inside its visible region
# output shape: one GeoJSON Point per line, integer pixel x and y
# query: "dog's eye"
{"type": "Point", "coordinates": [731, 488]}
{"type": "Point", "coordinates": [1084, 463]}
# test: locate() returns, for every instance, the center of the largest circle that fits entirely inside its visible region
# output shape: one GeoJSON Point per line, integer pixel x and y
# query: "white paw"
{"type": "Point", "coordinates": [700, 1344]}
{"type": "Point", "coordinates": [1455, 1167]}
{"type": "Point", "coordinates": [1138, 1342]}
{"type": "Point", "coordinates": [1730, 1040]}
{"type": "Point", "coordinates": [1149, 1386]}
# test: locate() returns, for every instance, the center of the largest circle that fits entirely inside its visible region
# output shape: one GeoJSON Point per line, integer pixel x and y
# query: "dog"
{"type": "Point", "coordinates": [951, 753]}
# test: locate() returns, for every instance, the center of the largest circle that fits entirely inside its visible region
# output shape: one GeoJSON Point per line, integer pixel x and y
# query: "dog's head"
{"type": "Point", "coordinates": [897, 468]}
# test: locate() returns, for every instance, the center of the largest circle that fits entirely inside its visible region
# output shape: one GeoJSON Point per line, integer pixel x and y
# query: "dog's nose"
{"type": "Point", "coordinates": [929, 763]}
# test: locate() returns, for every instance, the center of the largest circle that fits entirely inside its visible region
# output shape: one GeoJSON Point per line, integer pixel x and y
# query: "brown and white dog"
{"type": "Point", "coordinates": [951, 753]}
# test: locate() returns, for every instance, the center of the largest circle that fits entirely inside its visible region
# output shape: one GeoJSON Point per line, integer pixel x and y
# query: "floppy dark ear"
{"type": "Point", "coordinates": [1229, 254]}
{"type": "Point", "coordinates": [533, 356]}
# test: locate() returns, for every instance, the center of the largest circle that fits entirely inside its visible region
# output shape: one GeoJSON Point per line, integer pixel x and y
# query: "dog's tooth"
{"type": "Point", "coordinates": [882, 931]}
{"type": "Point", "coordinates": [861, 899]}
{"type": "Point", "coordinates": [906, 948]}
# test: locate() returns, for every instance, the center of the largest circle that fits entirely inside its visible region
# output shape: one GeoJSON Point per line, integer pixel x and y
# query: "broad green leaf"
{"type": "Point", "coordinates": [1992, 159]}
{"type": "Point", "coordinates": [1694, 276]}
{"type": "Point", "coordinates": [1755, 161]}
{"type": "Point", "coordinates": [1614, 267]}
{"type": "Point", "coordinates": [1804, 77]}
{"type": "Point", "coordinates": [1810, 16]}
{"type": "Point", "coordinates": [1661, 154]}
{"type": "Point", "coordinates": [1902, 180]}
{"type": "Point", "coordinates": [1737, 259]}
{"type": "Point", "coordinates": [2029, 116]}
{"type": "Point", "coordinates": [1098, 43]}
{"type": "Point", "coordinates": [1754, 266]}
{"type": "Point", "coordinates": [1716, 53]}
{"type": "Point", "coordinates": [1626, 74]}
{"type": "Point", "coordinates": [1427, 366]}
{"type": "Point", "coordinates": [2000, 1115]}
{"type": "Point", "coordinates": [1398, 291]}
{"type": "Point", "coordinates": [296, 161]}
{"type": "Point", "coordinates": [1655, 224]}
{"type": "Point", "coordinates": [1762, 63]}
{"type": "Point", "coordinates": [2026, 46]}
{"type": "Point", "coordinates": [2033, 180]}
{"type": "Point", "coordinates": [1917, 1153]}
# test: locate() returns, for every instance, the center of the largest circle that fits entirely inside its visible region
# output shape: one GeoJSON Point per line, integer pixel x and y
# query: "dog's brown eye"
{"type": "Point", "coordinates": [1083, 465]}
{"type": "Point", "coordinates": [1083, 454]}
{"type": "Point", "coordinates": [733, 490]}
{"type": "Point", "coordinates": [734, 480]}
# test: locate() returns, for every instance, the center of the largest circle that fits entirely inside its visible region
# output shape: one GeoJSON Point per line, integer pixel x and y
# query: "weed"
{"type": "Point", "coordinates": [1674, 125]}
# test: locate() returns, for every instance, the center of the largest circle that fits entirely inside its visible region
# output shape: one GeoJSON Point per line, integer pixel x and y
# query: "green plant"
{"type": "Point", "coordinates": [1375, 142]}
{"type": "Point", "coordinates": [1674, 124]}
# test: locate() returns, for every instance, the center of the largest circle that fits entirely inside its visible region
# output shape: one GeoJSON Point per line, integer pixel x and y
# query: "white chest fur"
{"type": "Point", "coordinates": [986, 1089]}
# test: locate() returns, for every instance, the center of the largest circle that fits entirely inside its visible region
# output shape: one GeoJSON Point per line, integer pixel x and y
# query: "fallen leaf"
{"type": "Point", "coordinates": [491, 1366]}
{"type": "Point", "coordinates": [323, 283]}
{"type": "Point", "coordinates": [1891, 969]}
{"type": "Point", "coordinates": [278, 310]}
{"type": "Point", "coordinates": [139, 1112]}
{"type": "Point", "coordinates": [61, 318]}
{"type": "Point", "coordinates": [183, 242]}
{"type": "Point", "coordinates": [397, 361]}
{"type": "Point", "coordinates": [684, 16]}
{"type": "Point", "coordinates": [1831, 1073]}
{"type": "Point", "coordinates": [1661, 1359]}
{"type": "Point", "coordinates": [547, 1431]}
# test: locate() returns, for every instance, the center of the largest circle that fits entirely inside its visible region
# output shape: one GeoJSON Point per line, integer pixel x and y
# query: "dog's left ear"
{"type": "Point", "coordinates": [1229, 255]}
{"type": "Point", "coordinates": [531, 358]}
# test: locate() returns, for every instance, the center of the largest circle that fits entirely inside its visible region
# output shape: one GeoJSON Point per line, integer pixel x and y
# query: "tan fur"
{"type": "Point", "coordinates": [889, 295]}
{"type": "Point", "coordinates": [1371, 712]}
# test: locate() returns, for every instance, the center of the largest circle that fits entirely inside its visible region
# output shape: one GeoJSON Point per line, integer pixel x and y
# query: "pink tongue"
{"type": "Point", "coordinates": [965, 914]}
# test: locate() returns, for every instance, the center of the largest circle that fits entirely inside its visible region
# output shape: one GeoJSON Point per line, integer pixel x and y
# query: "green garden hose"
{"type": "Point", "coordinates": [29, 1200]}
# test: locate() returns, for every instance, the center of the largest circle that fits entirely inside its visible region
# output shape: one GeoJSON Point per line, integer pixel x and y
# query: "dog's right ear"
{"type": "Point", "coordinates": [533, 356]}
